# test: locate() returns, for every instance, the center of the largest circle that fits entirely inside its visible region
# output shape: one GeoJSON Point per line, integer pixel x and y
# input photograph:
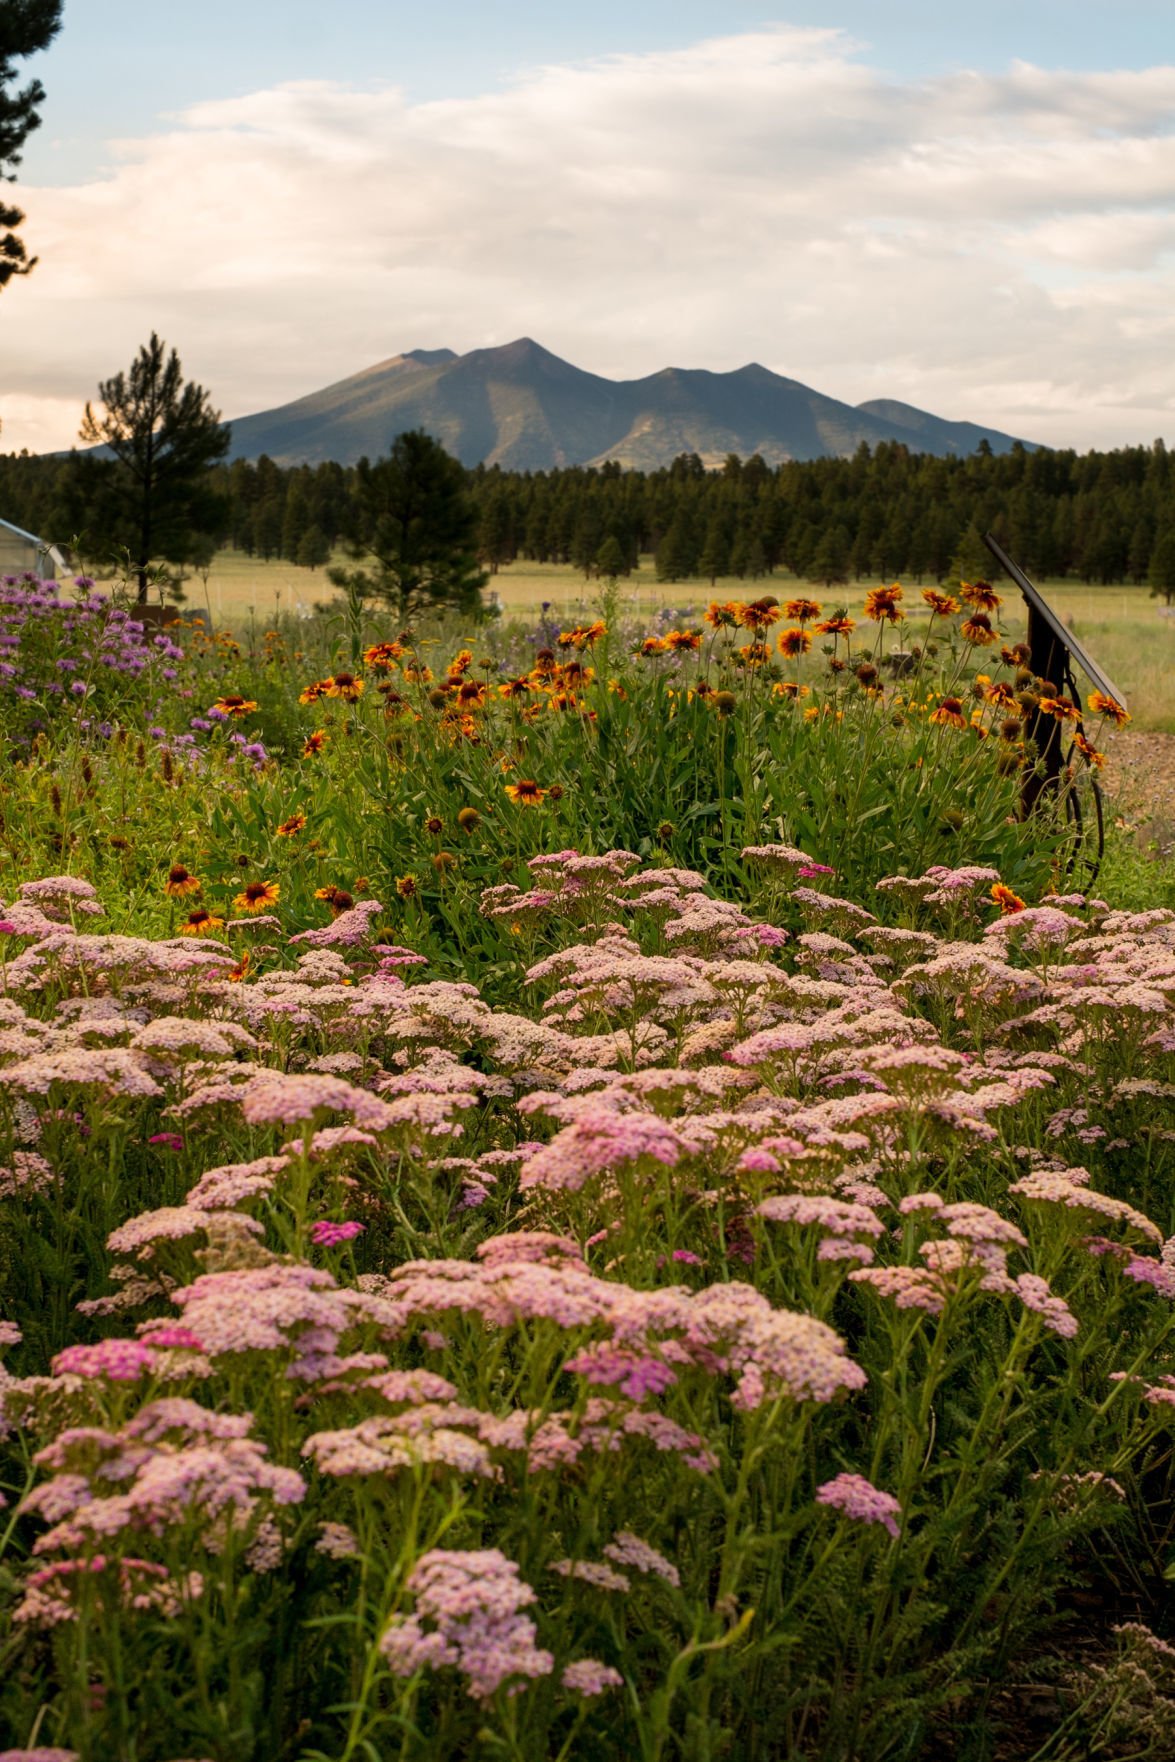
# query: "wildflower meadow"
{"type": "Point", "coordinates": [576, 1193]}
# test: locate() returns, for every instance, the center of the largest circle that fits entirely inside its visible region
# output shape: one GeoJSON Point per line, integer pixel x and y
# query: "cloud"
{"type": "Point", "coordinates": [999, 247]}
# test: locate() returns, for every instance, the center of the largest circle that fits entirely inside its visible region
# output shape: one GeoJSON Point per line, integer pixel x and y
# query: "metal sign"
{"type": "Point", "coordinates": [1065, 638]}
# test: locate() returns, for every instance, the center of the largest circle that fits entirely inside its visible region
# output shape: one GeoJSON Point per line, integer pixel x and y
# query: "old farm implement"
{"type": "Point", "coordinates": [1054, 651]}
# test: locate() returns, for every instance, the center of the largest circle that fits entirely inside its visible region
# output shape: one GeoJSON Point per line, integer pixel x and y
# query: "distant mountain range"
{"type": "Point", "coordinates": [523, 408]}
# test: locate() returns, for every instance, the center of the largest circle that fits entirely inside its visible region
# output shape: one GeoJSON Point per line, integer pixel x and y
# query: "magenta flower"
{"type": "Point", "coordinates": [324, 1234]}
{"type": "Point", "coordinates": [120, 1361]}
{"type": "Point", "coordinates": [170, 1140]}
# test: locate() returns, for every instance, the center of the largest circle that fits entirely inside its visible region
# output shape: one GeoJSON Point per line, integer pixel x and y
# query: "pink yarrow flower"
{"type": "Point", "coordinates": [858, 1498]}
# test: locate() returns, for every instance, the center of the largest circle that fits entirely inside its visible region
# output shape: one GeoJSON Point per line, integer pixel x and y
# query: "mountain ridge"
{"type": "Point", "coordinates": [522, 407]}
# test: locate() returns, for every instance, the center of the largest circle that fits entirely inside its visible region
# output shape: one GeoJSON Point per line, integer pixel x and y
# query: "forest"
{"type": "Point", "coordinates": [1097, 516]}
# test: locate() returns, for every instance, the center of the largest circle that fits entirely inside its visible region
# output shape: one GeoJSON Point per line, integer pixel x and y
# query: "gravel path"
{"type": "Point", "coordinates": [1139, 781]}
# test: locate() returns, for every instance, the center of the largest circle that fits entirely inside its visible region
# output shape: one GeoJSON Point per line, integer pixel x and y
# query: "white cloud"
{"type": "Point", "coordinates": [995, 247]}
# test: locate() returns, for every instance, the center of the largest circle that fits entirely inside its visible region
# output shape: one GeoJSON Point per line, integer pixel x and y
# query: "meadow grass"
{"type": "Point", "coordinates": [1123, 627]}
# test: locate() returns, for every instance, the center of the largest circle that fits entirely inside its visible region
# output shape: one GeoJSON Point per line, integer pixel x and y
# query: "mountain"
{"type": "Point", "coordinates": [525, 409]}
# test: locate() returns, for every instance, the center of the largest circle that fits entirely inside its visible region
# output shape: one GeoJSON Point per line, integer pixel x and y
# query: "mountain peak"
{"type": "Point", "coordinates": [519, 406]}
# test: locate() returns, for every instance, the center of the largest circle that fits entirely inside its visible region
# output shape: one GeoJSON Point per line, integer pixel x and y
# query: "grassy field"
{"type": "Point", "coordinates": [1123, 628]}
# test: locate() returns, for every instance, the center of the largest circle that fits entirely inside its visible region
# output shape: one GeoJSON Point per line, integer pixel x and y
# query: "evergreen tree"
{"type": "Point", "coordinates": [1161, 571]}
{"type": "Point", "coordinates": [417, 521]}
{"type": "Point", "coordinates": [715, 557]}
{"type": "Point", "coordinates": [155, 494]}
{"type": "Point", "coordinates": [296, 518]}
{"type": "Point", "coordinates": [313, 548]}
{"type": "Point", "coordinates": [829, 562]}
{"type": "Point", "coordinates": [267, 526]}
{"type": "Point", "coordinates": [676, 553]}
{"type": "Point", "coordinates": [495, 540]}
{"type": "Point", "coordinates": [610, 559]}
{"type": "Point", "coordinates": [26, 26]}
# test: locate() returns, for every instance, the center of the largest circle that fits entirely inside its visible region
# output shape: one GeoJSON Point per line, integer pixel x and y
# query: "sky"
{"type": "Point", "coordinates": [973, 212]}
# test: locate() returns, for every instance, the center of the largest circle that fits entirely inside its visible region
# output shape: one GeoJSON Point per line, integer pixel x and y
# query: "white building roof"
{"type": "Point", "coordinates": [41, 545]}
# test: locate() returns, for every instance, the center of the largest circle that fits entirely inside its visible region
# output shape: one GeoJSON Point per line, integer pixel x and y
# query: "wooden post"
{"type": "Point", "coordinates": [1046, 657]}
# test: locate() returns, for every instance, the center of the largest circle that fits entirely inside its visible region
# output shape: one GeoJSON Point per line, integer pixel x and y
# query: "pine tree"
{"type": "Point", "coordinates": [610, 559]}
{"type": "Point", "coordinates": [1161, 573]}
{"type": "Point", "coordinates": [417, 520]}
{"type": "Point", "coordinates": [26, 26]}
{"type": "Point", "coordinates": [155, 492]}
{"type": "Point", "coordinates": [313, 549]}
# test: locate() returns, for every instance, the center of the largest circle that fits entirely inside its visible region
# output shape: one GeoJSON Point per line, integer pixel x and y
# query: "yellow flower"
{"type": "Point", "coordinates": [346, 686]}
{"type": "Point", "coordinates": [234, 706]}
{"type": "Point", "coordinates": [526, 791]}
{"type": "Point", "coordinates": [289, 827]}
{"type": "Point", "coordinates": [881, 604]}
{"type": "Point", "coordinates": [179, 882]}
{"type": "Point", "coordinates": [200, 923]}
{"type": "Point", "coordinates": [949, 713]}
{"type": "Point", "coordinates": [1101, 705]}
{"type": "Point", "coordinates": [256, 896]}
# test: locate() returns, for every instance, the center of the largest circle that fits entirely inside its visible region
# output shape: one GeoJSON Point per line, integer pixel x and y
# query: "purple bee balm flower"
{"type": "Point", "coordinates": [860, 1499]}
{"type": "Point", "coordinates": [328, 1235]}
{"type": "Point", "coordinates": [171, 1140]}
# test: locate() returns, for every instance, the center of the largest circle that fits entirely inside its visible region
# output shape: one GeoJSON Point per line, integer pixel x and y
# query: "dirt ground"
{"type": "Point", "coordinates": [1140, 786]}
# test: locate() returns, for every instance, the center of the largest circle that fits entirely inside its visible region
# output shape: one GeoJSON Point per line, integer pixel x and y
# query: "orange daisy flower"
{"type": "Point", "coordinates": [237, 973]}
{"type": "Point", "coordinates": [1089, 752]}
{"type": "Point", "coordinates": [760, 614]}
{"type": "Point", "coordinates": [179, 882]}
{"type": "Point", "coordinates": [654, 645]}
{"type": "Point", "coordinates": [1008, 902]}
{"type": "Point", "coordinates": [980, 594]}
{"type": "Point", "coordinates": [794, 642]}
{"type": "Point", "coordinates": [200, 922]}
{"type": "Point", "coordinates": [514, 688]}
{"type": "Point", "coordinates": [682, 640]}
{"type": "Point", "coordinates": [803, 611]}
{"type": "Point", "coordinates": [382, 655]}
{"type": "Point", "coordinates": [311, 693]}
{"type": "Point", "coordinates": [235, 706]}
{"type": "Point", "coordinates": [977, 629]}
{"type": "Point", "coordinates": [722, 614]}
{"type": "Point", "coordinates": [1063, 708]}
{"type": "Point", "coordinates": [1101, 705]}
{"type": "Point", "coordinates": [881, 604]}
{"type": "Point", "coordinates": [527, 791]}
{"type": "Point", "coordinates": [314, 743]}
{"type": "Point", "coordinates": [289, 827]}
{"type": "Point", "coordinates": [949, 713]}
{"type": "Point", "coordinates": [256, 896]}
{"type": "Point", "coordinates": [943, 605]}
{"type": "Point", "coordinates": [406, 886]}
{"type": "Point", "coordinates": [837, 625]}
{"type": "Point", "coordinates": [346, 686]}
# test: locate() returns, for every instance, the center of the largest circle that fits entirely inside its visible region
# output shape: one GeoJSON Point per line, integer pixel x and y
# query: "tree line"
{"type": "Point", "coordinates": [883, 513]}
